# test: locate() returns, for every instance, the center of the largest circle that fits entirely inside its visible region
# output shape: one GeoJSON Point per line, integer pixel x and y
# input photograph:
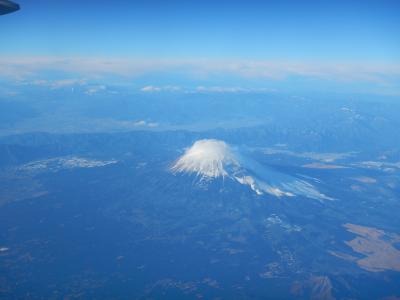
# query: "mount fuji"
{"type": "Point", "coordinates": [210, 159]}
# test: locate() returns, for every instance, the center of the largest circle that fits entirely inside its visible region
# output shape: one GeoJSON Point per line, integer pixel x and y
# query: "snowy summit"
{"type": "Point", "coordinates": [206, 158]}
{"type": "Point", "coordinates": [211, 158]}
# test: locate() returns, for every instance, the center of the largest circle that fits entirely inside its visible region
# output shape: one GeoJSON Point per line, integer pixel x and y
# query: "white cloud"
{"type": "Point", "coordinates": [95, 89]}
{"type": "Point", "coordinates": [143, 123]}
{"type": "Point", "coordinates": [152, 125]}
{"type": "Point", "coordinates": [167, 88]}
{"type": "Point", "coordinates": [227, 89]}
{"type": "Point", "coordinates": [140, 123]}
{"type": "Point", "coordinates": [55, 84]}
{"type": "Point", "coordinates": [23, 67]}
{"type": "Point", "coordinates": [219, 89]}
{"type": "Point", "coordinates": [150, 88]}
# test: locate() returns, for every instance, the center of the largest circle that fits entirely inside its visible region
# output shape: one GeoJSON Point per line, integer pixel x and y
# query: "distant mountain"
{"type": "Point", "coordinates": [209, 159]}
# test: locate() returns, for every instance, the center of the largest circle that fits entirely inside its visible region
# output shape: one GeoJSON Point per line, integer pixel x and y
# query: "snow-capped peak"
{"type": "Point", "coordinates": [211, 158]}
{"type": "Point", "coordinates": [206, 158]}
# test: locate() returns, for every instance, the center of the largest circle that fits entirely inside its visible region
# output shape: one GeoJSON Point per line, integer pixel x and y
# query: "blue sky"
{"type": "Point", "coordinates": [324, 39]}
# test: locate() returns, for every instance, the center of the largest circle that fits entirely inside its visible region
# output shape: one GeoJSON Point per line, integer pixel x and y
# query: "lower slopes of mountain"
{"type": "Point", "coordinates": [209, 159]}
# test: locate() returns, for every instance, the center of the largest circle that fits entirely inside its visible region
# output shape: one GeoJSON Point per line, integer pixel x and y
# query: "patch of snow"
{"type": "Point", "coordinates": [62, 163]}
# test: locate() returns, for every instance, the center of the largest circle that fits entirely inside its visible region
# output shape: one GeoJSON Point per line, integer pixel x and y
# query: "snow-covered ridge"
{"type": "Point", "coordinates": [62, 163]}
{"type": "Point", "coordinates": [210, 158]}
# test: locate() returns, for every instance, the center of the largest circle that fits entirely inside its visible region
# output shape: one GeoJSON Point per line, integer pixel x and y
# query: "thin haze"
{"type": "Point", "coordinates": [263, 40]}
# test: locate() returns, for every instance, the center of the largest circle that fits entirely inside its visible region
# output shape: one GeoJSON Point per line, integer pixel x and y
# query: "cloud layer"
{"type": "Point", "coordinates": [275, 70]}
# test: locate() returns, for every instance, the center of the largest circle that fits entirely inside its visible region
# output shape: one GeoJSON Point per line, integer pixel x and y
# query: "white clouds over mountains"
{"type": "Point", "coordinates": [18, 68]}
{"type": "Point", "coordinates": [167, 88]}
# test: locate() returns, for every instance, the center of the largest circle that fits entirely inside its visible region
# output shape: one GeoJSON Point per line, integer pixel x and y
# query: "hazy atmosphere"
{"type": "Point", "coordinates": [200, 149]}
